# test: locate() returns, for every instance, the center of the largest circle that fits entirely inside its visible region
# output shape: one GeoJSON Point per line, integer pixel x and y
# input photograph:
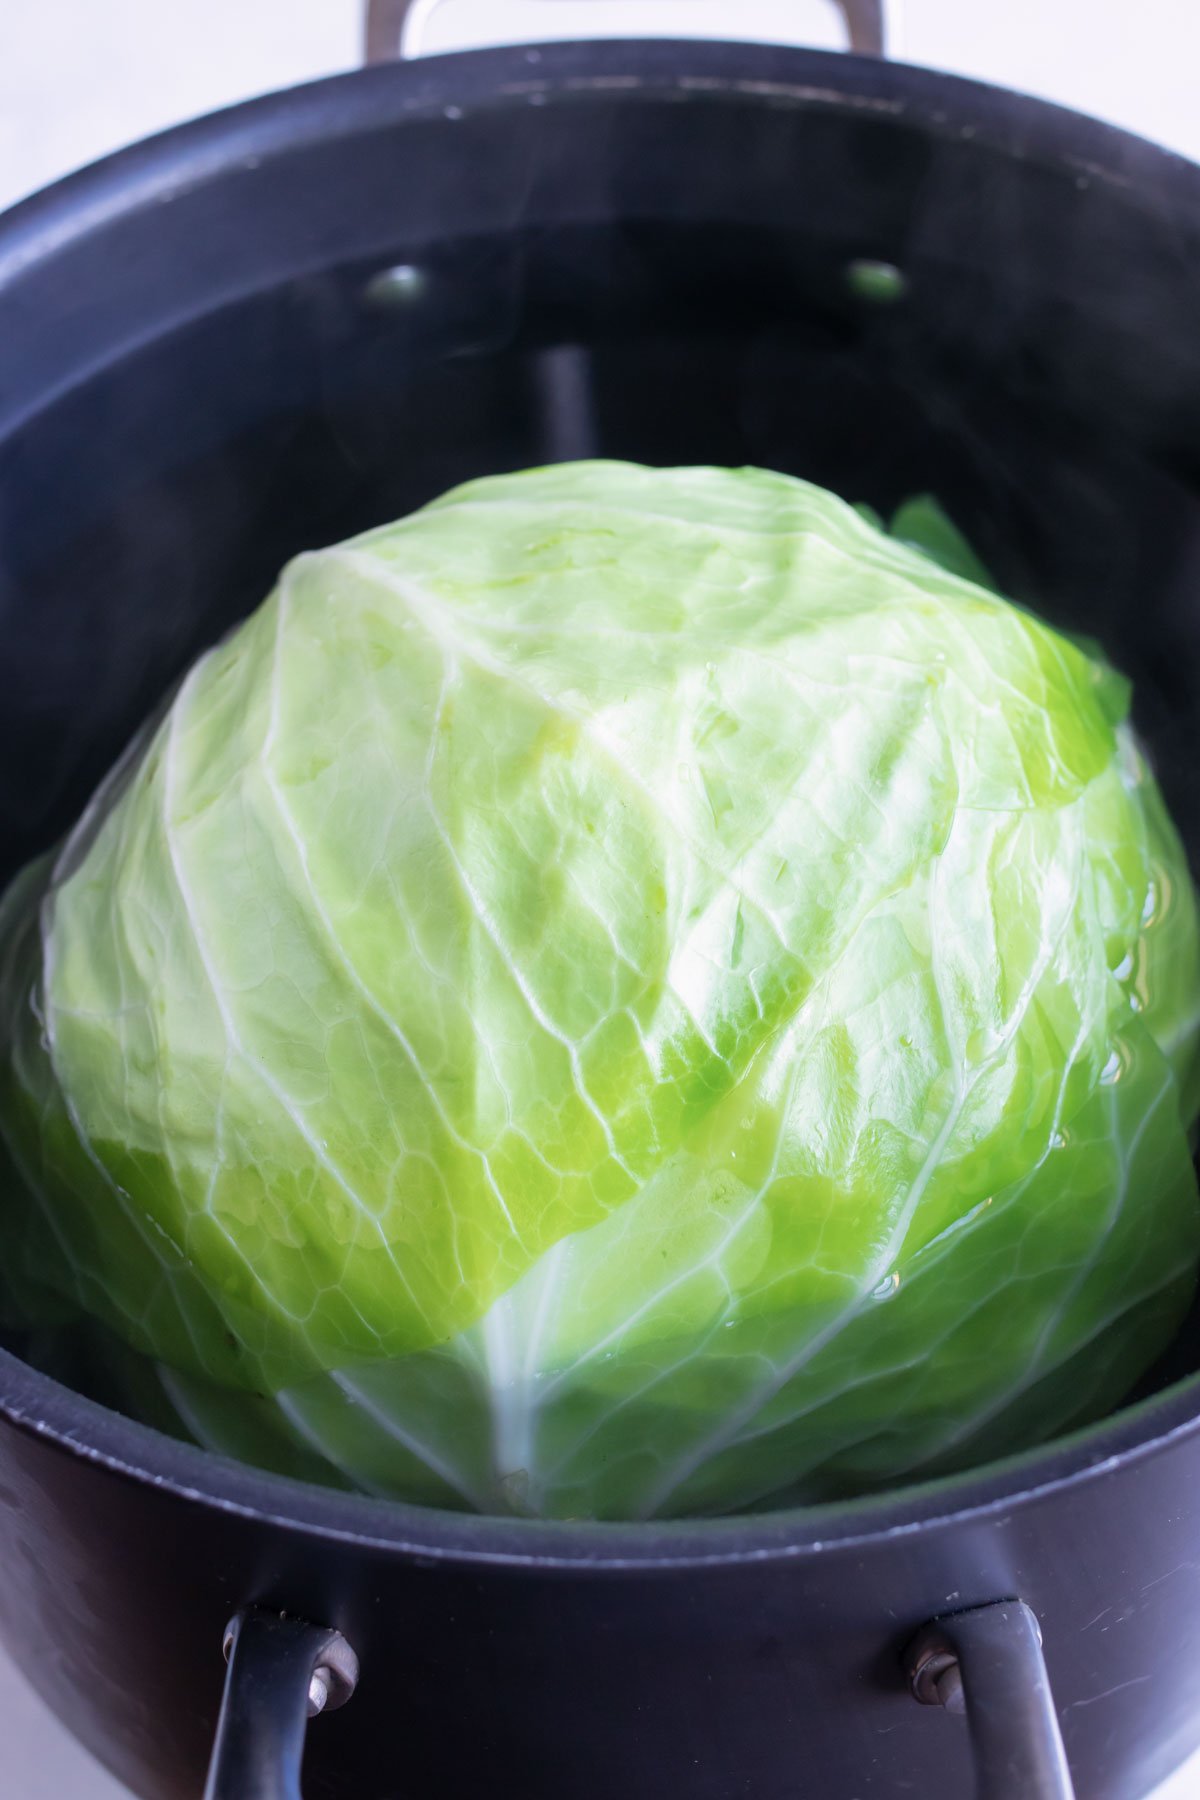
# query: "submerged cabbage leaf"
{"type": "Point", "coordinates": [627, 992]}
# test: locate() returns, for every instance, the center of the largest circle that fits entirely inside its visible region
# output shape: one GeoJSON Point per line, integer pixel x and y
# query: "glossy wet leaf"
{"type": "Point", "coordinates": [626, 992]}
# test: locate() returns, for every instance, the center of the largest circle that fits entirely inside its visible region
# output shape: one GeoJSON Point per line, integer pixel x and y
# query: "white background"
{"type": "Point", "coordinates": [81, 77]}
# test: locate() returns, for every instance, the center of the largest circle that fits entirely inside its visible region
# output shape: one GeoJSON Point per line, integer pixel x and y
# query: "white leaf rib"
{"type": "Point", "coordinates": [79, 1276]}
{"type": "Point", "coordinates": [940, 1247]}
{"type": "Point", "coordinates": [482, 913]}
{"type": "Point", "coordinates": [409, 1440]}
{"type": "Point", "coordinates": [549, 1298]}
{"type": "Point", "coordinates": [1128, 1303]}
{"type": "Point", "coordinates": [481, 1043]}
{"type": "Point", "coordinates": [719, 1318]}
{"type": "Point", "coordinates": [632, 1396]}
{"type": "Point", "coordinates": [390, 1024]}
{"type": "Point", "coordinates": [433, 616]}
{"type": "Point", "coordinates": [710, 1260]}
{"type": "Point", "coordinates": [730, 1429]}
{"type": "Point", "coordinates": [1035, 1366]}
{"type": "Point", "coordinates": [273, 1087]}
{"type": "Point", "coordinates": [124, 1201]}
{"type": "Point", "coordinates": [333, 1454]}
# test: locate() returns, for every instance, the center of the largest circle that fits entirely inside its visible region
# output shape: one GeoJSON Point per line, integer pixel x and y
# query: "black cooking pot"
{"type": "Point", "coordinates": [281, 325]}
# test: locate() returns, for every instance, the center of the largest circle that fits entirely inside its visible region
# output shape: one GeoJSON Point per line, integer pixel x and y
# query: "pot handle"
{"type": "Point", "coordinates": [988, 1663]}
{"type": "Point", "coordinates": [395, 27]}
{"type": "Point", "coordinates": [281, 1673]}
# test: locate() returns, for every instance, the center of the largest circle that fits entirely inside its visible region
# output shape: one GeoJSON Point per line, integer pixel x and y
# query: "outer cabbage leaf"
{"type": "Point", "coordinates": [626, 992]}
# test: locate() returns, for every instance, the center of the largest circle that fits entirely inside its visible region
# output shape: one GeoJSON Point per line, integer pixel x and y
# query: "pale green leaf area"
{"type": "Point", "coordinates": [628, 992]}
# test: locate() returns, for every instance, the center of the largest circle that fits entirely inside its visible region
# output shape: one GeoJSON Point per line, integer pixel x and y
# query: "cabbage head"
{"type": "Point", "coordinates": [629, 992]}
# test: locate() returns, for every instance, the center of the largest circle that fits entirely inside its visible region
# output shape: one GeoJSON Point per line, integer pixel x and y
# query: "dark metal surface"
{"type": "Point", "coordinates": [988, 1663]}
{"type": "Point", "coordinates": [707, 1660]}
{"type": "Point", "coordinates": [644, 249]}
{"type": "Point", "coordinates": [282, 1672]}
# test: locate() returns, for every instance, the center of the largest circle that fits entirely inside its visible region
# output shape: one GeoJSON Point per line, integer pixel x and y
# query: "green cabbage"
{"type": "Point", "coordinates": [628, 992]}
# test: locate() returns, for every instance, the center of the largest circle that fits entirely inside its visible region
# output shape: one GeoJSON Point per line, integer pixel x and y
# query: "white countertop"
{"type": "Point", "coordinates": [78, 78]}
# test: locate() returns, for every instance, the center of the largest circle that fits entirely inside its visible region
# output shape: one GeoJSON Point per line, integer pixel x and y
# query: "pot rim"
{"type": "Point", "coordinates": [206, 149]}
{"type": "Point", "coordinates": [42, 1408]}
{"type": "Point", "coordinates": [163, 165]}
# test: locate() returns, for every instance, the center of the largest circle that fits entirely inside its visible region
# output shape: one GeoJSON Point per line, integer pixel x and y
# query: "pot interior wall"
{"type": "Point", "coordinates": [149, 509]}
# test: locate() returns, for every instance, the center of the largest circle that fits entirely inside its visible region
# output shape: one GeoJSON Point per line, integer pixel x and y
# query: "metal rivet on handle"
{"type": "Point", "coordinates": [935, 1677]}
{"type": "Point", "coordinates": [876, 283]}
{"type": "Point", "coordinates": [398, 286]}
{"type": "Point", "coordinates": [333, 1680]}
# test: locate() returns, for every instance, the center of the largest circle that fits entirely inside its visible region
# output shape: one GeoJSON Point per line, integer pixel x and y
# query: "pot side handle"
{"type": "Point", "coordinates": [281, 1673]}
{"type": "Point", "coordinates": [988, 1663]}
{"type": "Point", "coordinates": [985, 1662]}
{"type": "Point", "coordinates": [394, 28]}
